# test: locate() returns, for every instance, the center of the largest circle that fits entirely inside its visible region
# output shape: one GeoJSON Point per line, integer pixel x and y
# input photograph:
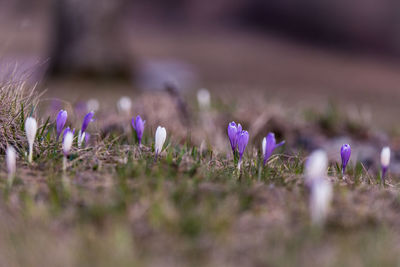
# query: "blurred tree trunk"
{"type": "Point", "coordinates": [87, 39]}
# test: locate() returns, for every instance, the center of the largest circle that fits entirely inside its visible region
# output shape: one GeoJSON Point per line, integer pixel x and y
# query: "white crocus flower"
{"type": "Point", "coordinates": [11, 160]}
{"type": "Point", "coordinates": [320, 200]}
{"type": "Point", "coordinates": [385, 157]}
{"type": "Point", "coordinates": [203, 98]}
{"type": "Point", "coordinates": [66, 147]}
{"type": "Point", "coordinates": [30, 129]}
{"type": "Point", "coordinates": [124, 105]}
{"type": "Point", "coordinates": [161, 136]}
{"type": "Point", "coordinates": [385, 161]}
{"type": "Point", "coordinates": [321, 188]}
{"type": "Point", "coordinates": [316, 166]}
{"type": "Point", "coordinates": [93, 104]}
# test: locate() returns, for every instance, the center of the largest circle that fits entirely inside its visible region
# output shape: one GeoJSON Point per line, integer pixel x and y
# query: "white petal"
{"type": "Point", "coordinates": [30, 129]}
{"type": "Point", "coordinates": [385, 156]}
{"type": "Point", "coordinates": [263, 146]}
{"type": "Point", "coordinates": [11, 159]}
{"type": "Point", "coordinates": [316, 165]}
{"type": "Point", "coordinates": [203, 98]}
{"type": "Point", "coordinates": [67, 144]}
{"type": "Point", "coordinates": [124, 104]}
{"type": "Point", "coordinates": [161, 136]}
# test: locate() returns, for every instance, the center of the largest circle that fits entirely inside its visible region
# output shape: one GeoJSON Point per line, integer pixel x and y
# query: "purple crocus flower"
{"type": "Point", "coordinates": [243, 139]}
{"type": "Point", "coordinates": [60, 121]}
{"type": "Point", "coordinates": [88, 118]}
{"type": "Point", "coordinates": [233, 133]}
{"type": "Point", "coordinates": [138, 125]}
{"type": "Point", "coordinates": [345, 152]}
{"type": "Point", "coordinates": [269, 145]}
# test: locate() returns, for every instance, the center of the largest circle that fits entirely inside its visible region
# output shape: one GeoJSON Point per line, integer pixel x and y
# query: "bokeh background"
{"type": "Point", "coordinates": [300, 53]}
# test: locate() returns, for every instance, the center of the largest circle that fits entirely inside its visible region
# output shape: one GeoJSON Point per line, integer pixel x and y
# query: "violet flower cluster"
{"type": "Point", "coordinates": [238, 139]}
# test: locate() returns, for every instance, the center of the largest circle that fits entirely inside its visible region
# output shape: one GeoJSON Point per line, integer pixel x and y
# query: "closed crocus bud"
{"type": "Point", "coordinates": [233, 131]}
{"type": "Point", "coordinates": [161, 136]}
{"type": "Point", "coordinates": [385, 161]}
{"type": "Point", "coordinates": [67, 143]}
{"type": "Point", "coordinates": [60, 122]}
{"type": "Point", "coordinates": [316, 165]}
{"type": "Point", "coordinates": [30, 129]}
{"type": "Point", "coordinates": [269, 145]}
{"type": "Point", "coordinates": [320, 200]}
{"type": "Point", "coordinates": [243, 139]}
{"type": "Point", "coordinates": [86, 120]}
{"type": "Point", "coordinates": [138, 125]}
{"type": "Point", "coordinates": [345, 153]}
{"type": "Point", "coordinates": [124, 105]}
{"type": "Point", "coordinates": [11, 159]}
{"type": "Point", "coordinates": [66, 147]}
{"type": "Point", "coordinates": [203, 98]}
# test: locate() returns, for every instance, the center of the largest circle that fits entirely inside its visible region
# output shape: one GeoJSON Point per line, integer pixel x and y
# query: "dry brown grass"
{"type": "Point", "coordinates": [18, 100]}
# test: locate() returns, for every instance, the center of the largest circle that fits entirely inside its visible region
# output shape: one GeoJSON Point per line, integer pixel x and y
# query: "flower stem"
{"type": "Point", "coordinates": [239, 164]}
{"type": "Point", "coordinates": [10, 180]}
{"type": "Point", "coordinates": [65, 163]}
{"type": "Point", "coordinates": [30, 153]}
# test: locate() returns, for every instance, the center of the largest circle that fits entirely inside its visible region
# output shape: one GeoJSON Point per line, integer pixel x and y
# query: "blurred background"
{"type": "Point", "coordinates": [302, 53]}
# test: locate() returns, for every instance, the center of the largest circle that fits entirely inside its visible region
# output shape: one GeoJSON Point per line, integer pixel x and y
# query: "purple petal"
{"type": "Point", "coordinates": [87, 138]}
{"type": "Point", "coordinates": [138, 125]}
{"type": "Point", "coordinates": [232, 134]}
{"type": "Point", "coordinates": [345, 153]}
{"type": "Point", "coordinates": [88, 118]}
{"type": "Point", "coordinates": [60, 121]}
{"type": "Point", "coordinates": [242, 142]}
{"type": "Point", "coordinates": [270, 146]}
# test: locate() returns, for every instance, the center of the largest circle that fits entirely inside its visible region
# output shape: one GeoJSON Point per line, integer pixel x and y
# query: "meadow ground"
{"type": "Point", "coordinates": [116, 205]}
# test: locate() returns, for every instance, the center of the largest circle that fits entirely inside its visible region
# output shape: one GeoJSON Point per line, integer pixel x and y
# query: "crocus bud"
{"type": "Point", "coordinates": [233, 131]}
{"type": "Point", "coordinates": [320, 200]}
{"type": "Point", "coordinates": [316, 165]}
{"type": "Point", "coordinates": [67, 143]}
{"type": "Point", "coordinates": [385, 161]}
{"type": "Point", "coordinates": [203, 98]}
{"type": "Point", "coordinates": [66, 147]}
{"type": "Point", "coordinates": [269, 145]}
{"type": "Point", "coordinates": [60, 122]}
{"type": "Point", "coordinates": [138, 125]}
{"type": "Point", "coordinates": [345, 153]}
{"type": "Point", "coordinates": [124, 105]}
{"type": "Point", "coordinates": [11, 159]}
{"type": "Point", "coordinates": [161, 136]}
{"type": "Point", "coordinates": [243, 139]}
{"type": "Point", "coordinates": [30, 129]}
{"type": "Point", "coordinates": [86, 120]}
{"type": "Point", "coordinates": [93, 104]}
